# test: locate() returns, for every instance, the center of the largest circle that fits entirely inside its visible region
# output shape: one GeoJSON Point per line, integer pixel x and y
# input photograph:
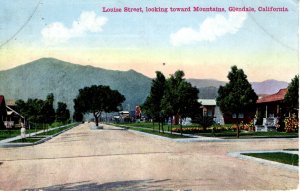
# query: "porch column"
{"type": "Point", "coordinates": [266, 111]}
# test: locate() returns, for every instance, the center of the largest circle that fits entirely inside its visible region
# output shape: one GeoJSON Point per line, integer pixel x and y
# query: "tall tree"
{"type": "Point", "coordinates": [98, 99]}
{"type": "Point", "coordinates": [152, 105]}
{"type": "Point", "coordinates": [292, 96]}
{"type": "Point", "coordinates": [48, 111]}
{"type": "Point", "coordinates": [180, 98]}
{"type": "Point", "coordinates": [62, 113]}
{"type": "Point", "coordinates": [237, 96]}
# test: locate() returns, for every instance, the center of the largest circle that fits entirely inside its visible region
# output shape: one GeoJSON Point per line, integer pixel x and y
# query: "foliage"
{"type": "Point", "coordinates": [98, 99]}
{"type": "Point", "coordinates": [237, 96]}
{"type": "Point", "coordinates": [62, 113]}
{"type": "Point", "coordinates": [152, 105]}
{"type": "Point", "coordinates": [189, 130]}
{"type": "Point", "coordinates": [37, 110]}
{"type": "Point", "coordinates": [291, 124]}
{"type": "Point", "coordinates": [291, 98]}
{"type": "Point", "coordinates": [205, 121]}
{"type": "Point", "coordinates": [180, 98]}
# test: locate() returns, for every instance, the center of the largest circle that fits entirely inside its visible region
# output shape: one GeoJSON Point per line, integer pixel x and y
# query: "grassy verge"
{"type": "Point", "coordinates": [286, 158]}
{"type": "Point", "coordinates": [155, 132]}
{"type": "Point", "coordinates": [244, 134]}
{"type": "Point", "coordinates": [28, 140]}
{"type": "Point", "coordinates": [223, 131]}
{"type": "Point", "coordinates": [53, 132]}
{"type": "Point", "coordinates": [5, 134]}
{"type": "Point", "coordinates": [35, 138]}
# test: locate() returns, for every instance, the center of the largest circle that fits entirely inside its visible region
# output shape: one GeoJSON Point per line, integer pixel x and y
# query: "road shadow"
{"type": "Point", "coordinates": [131, 185]}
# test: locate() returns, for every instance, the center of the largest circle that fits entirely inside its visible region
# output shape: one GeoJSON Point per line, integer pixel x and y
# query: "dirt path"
{"type": "Point", "coordinates": [114, 159]}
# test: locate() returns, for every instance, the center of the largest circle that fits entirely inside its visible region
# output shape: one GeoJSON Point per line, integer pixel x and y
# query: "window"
{"type": "Point", "coordinates": [241, 115]}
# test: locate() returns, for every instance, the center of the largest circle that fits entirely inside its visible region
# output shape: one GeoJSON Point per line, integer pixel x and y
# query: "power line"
{"type": "Point", "coordinates": [22, 27]}
{"type": "Point", "coordinates": [268, 33]}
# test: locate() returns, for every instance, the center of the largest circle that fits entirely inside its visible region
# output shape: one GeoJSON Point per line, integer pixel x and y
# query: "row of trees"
{"type": "Point", "coordinates": [171, 97]}
{"type": "Point", "coordinates": [42, 111]}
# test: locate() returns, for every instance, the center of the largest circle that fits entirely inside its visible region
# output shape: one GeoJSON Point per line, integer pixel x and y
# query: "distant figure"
{"type": "Point", "coordinates": [23, 131]}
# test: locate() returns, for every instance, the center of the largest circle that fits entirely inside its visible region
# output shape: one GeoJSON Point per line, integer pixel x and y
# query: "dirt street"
{"type": "Point", "coordinates": [114, 159]}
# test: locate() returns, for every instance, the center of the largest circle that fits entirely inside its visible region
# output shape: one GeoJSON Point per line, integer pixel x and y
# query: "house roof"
{"type": "Point", "coordinates": [13, 111]}
{"type": "Point", "coordinates": [279, 96]}
{"type": "Point", "coordinates": [1, 99]}
{"type": "Point", "coordinates": [208, 102]}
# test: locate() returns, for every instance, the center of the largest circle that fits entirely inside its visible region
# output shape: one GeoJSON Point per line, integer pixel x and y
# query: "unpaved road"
{"type": "Point", "coordinates": [114, 159]}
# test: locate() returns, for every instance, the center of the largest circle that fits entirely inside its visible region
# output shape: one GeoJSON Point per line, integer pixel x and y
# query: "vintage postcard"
{"type": "Point", "coordinates": [149, 95]}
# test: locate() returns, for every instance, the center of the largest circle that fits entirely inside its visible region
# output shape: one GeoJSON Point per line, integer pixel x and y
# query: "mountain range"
{"type": "Point", "coordinates": [48, 75]}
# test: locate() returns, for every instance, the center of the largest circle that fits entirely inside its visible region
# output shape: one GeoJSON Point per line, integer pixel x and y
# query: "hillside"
{"type": "Point", "coordinates": [48, 75]}
{"type": "Point", "coordinates": [63, 79]}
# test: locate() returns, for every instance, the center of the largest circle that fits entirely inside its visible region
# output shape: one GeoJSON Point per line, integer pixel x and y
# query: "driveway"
{"type": "Point", "coordinates": [116, 159]}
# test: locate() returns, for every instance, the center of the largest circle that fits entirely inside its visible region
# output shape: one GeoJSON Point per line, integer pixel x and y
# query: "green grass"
{"type": "Point", "coordinates": [245, 134]}
{"type": "Point", "coordinates": [150, 131]}
{"type": "Point", "coordinates": [221, 131]}
{"type": "Point", "coordinates": [5, 134]}
{"type": "Point", "coordinates": [156, 127]}
{"type": "Point", "coordinates": [53, 132]}
{"type": "Point", "coordinates": [28, 140]}
{"type": "Point", "coordinates": [286, 158]}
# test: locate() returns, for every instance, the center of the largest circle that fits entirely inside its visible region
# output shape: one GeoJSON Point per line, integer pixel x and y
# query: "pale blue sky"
{"type": "Point", "coordinates": [143, 41]}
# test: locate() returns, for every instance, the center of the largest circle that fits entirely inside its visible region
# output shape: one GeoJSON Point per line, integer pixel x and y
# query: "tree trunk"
{"type": "Point", "coordinates": [238, 128]}
{"type": "Point", "coordinates": [158, 126]}
{"type": "Point", "coordinates": [180, 126]}
{"type": "Point", "coordinates": [96, 119]}
{"type": "Point", "coordinates": [152, 125]}
{"type": "Point", "coordinates": [162, 125]}
{"type": "Point", "coordinates": [171, 124]}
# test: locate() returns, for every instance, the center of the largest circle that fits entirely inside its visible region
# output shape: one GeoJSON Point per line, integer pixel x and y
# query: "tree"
{"type": "Point", "coordinates": [180, 98]}
{"type": "Point", "coordinates": [98, 99]}
{"type": "Point", "coordinates": [291, 99]}
{"type": "Point", "coordinates": [152, 105]}
{"type": "Point", "coordinates": [237, 96]}
{"type": "Point", "coordinates": [62, 113]}
{"type": "Point", "coordinates": [37, 110]}
{"type": "Point", "coordinates": [48, 111]}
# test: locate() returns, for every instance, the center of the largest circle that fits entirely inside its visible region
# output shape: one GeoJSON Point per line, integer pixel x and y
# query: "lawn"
{"type": "Point", "coordinates": [230, 134]}
{"type": "Point", "coordinates": [223, 131]}
{"type": "Point", "coordinates": [28, 140]}
{"type": "Point", "coordinates": [5, 134]}
{"type": "Point", "coordinates": [150, 131]}
{"type": "Point", "coordinates": [286, 158]}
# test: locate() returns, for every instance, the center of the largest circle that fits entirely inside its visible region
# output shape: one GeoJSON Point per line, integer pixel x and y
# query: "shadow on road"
{"type": "Point", "coordinates": [132, 185]}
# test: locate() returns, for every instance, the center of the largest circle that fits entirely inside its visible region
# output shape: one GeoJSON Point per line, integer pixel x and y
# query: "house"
{"type": "Point", "coordinates": [272, 105]}
{"type": "Point", "coordinates": [271, 111]}
{"type": "Point", "coordinates": [13, 118]}
{"type": "Point", "coordinates": [209, 108]}
{"type": "Point", "coordinates": [3, 112]}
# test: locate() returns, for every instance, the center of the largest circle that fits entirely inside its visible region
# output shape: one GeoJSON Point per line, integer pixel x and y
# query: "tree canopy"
{"type": "Point", "coordinates": [172, 97]}
{"type": "Point", "coordinates": [237, 96]}
{"type": "Point", "coordinates": [62, 113]}
{"type": "Point", "coordinates": [40, 111]}
{"type": "Point", "coordinates": [98, 99]}
{"type": "Point", "coordinates": [152, 105]}
{"type": "Point", "coordinates": [292, 96]}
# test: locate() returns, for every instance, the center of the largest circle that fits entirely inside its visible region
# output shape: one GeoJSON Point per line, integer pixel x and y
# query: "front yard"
{"type": "Point", "coordinates": [227, 131]}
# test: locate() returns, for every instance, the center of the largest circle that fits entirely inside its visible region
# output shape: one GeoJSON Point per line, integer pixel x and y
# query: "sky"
{"type": "Point", "coordinates": [202, 44]}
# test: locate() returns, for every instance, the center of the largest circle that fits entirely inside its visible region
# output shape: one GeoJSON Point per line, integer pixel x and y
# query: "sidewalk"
{"type": "Point", "coordinates": [29, 135]}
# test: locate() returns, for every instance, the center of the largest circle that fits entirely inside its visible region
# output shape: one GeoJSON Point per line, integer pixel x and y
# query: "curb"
{"type": "Point", "coordinates": [239, 155]}
{"type": "Point", "coordinates": [7, 145]}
